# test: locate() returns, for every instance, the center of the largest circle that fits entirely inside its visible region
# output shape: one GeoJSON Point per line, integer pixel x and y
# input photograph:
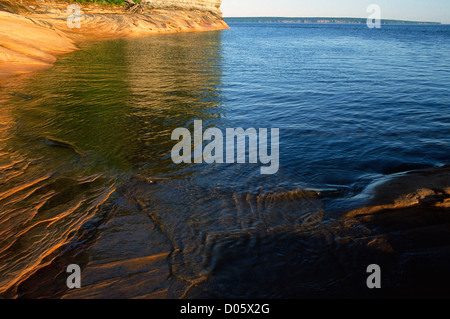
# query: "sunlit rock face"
{"type": "Point", "coordinates": [204, 5]}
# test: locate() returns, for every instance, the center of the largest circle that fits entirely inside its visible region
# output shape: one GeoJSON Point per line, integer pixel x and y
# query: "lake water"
{"type": "Point", "coordinates": [353, 105]}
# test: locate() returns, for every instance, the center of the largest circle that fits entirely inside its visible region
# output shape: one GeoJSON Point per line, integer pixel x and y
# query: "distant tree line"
{"type": "Point", "coordinates": [315, 20]}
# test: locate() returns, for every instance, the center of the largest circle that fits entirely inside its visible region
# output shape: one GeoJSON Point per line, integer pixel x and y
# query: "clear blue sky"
{"type": "Point", "coordinates": [423, 10]}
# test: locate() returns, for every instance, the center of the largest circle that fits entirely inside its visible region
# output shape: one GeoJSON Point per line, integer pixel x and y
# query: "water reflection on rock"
{"type": "Point", "coordinates": [100, 115]}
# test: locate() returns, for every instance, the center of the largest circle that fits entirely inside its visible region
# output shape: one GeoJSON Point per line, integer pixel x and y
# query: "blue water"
{"type": "Point", "coordinates": [353, 105]}
{"type": "Point", "coordinates": [351, 102]}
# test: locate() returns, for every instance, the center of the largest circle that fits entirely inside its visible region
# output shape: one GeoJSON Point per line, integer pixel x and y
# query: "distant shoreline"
{"type": "Point", "coordinates": [320, 20]}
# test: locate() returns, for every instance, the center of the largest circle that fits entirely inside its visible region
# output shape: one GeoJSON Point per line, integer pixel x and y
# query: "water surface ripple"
{"type": "Point", "coordinates": [81, 143]}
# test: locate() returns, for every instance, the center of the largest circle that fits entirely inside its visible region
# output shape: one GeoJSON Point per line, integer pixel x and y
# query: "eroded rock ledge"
{"type": "Point", "coordinates": [177, 240]}
{"type": "Point", "coordinates": [33, 33]}
{"type": "Point", "coordinates": [405, 230]}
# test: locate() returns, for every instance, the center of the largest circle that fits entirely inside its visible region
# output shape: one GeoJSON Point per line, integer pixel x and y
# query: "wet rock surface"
{"type": "Point", "coordinates": [169, 239]}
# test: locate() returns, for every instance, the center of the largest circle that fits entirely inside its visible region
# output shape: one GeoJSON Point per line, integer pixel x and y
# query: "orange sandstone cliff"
{"type": "Point", "coordinates": [33, 33]}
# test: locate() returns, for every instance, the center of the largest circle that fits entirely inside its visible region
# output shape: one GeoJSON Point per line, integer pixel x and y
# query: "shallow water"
{"type": "Point", "coordinates": [352, 104]}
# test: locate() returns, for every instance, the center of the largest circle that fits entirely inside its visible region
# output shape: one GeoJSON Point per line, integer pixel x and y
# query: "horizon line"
{"type": "Point", "coordinates": [318, 17]}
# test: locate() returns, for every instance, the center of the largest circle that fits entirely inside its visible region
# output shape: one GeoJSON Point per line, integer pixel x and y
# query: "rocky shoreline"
{"type": "Point", "coordinates": [34, 33]}
{"type": "Point", "coordinates": [404, 230]}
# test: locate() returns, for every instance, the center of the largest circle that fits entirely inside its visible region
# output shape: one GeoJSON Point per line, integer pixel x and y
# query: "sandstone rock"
{"type": "Point", "coordinates": [205, 5]}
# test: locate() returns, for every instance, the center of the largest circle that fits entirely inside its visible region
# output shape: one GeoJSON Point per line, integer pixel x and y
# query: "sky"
{"type": "Point", "coordinates": [414, 10]}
